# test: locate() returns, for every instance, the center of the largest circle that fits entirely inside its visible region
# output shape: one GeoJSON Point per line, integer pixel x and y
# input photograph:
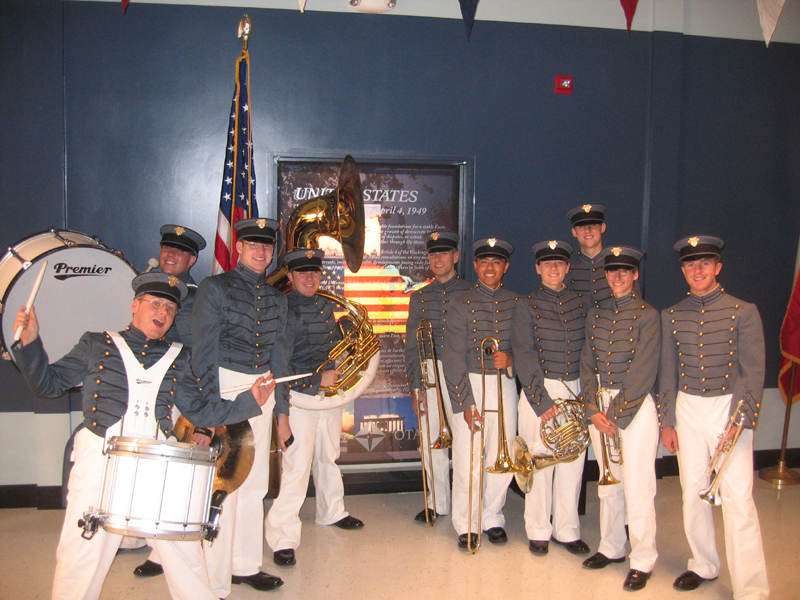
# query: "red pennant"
{"type": "Point", "coordinates": [125, 6]}
{"type": "Point", "coordinates": [629, 6]}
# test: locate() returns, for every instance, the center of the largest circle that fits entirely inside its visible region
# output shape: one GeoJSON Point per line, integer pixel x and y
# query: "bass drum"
{"type": "Point", "coordinates": [86, 287]}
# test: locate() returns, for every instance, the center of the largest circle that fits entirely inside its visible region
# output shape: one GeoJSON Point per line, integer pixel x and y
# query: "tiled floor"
{"type": "Point", "coordinates": [395, 558]}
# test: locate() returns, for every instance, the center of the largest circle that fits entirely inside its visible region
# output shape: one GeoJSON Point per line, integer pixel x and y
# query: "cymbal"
{"type": "Point", "coordinates": [236, 447]}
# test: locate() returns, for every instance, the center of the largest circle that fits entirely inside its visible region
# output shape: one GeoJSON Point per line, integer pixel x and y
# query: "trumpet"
{"type": "Point", "coordinates": [566, 436]}
{"type": "Point", "coordinates": [724, 446]}
{"type": "Point", "coordinates": [426, 350]}
{"type": "Point", "coordinates": [610, 447]}
{"type": "Point", "coordinates": [503, 464]}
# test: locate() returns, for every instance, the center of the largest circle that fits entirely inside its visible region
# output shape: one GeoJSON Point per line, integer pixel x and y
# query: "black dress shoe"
{"type": "Point", "coordinates": [463, 538]}
{"type": "Point", "coordinates": [576, 547]}
{"type": "Point", "coordinates": [497, 535]}
{"type": "Point", "coordinates": [598, 560]}
{"type": "Point", "coordinates": [538, 547]}
{"type": "Point", "coordinates": [688, 581]}
{"type": "Point", "coordinates": [148, 569]}
{"type": "Point", "coordinates": [284, 558]}
{"type": "Point", "coordinates": [636, 580]}
{"type": "Point", "coordinates": [421, 515]}
{"type": "Point", "coordinates": [261, 581]}
{"type": "Point", "coordinates": [349, 523]}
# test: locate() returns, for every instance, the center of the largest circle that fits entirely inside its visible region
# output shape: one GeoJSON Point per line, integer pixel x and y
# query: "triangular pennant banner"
{"type": "Point", "coordinates": [468, 10]}
{"type": "Point", "coordinates": [125, 6]}
{"type": "Point", "coordinates": [302, 5]}
{"type": "Point", "coordinates": [629, 7]}
{"type": "Point", "coordinates": [769, 11]}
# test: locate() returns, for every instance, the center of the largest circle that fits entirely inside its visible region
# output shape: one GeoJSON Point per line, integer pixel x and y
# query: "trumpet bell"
{"type": "Point", "coordinates": [443, 442]}
{"type": "Point", "coordinates": [522, 457]}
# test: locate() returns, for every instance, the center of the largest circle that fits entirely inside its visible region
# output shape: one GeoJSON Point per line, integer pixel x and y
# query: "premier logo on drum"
{"type": "Point", "coordinates": [68, 271]}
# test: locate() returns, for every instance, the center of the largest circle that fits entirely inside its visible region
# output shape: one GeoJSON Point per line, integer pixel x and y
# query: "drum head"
{"type": "Point", "coordinates": [85, 288]}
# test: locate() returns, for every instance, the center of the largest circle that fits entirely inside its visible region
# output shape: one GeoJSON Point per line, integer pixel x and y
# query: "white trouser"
{"type": "Point", "coordinates": [699, 422]}
{"type": "Point", "coordinates": [634, 496]}
{"type": "Point", "coordinates": [495, 486]}
{"type": "Point", "coordinates": [317, 435]}
{"type": "Point", "coordinates": [239, 547]}
{"type": "Point", "coordinates": [555, 488]}
{"type": "Point", "coordinates": [82, 565]}
{"type": "Point", "coordinates": [440, 459]}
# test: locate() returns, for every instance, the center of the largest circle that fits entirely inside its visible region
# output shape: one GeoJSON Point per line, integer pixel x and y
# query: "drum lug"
{"type": "Point", "coordinates": [90, 523]}
{"type": "Point", "coordinates": [66, 242]}
{"type": "Point", "coordinates": [26, 264]}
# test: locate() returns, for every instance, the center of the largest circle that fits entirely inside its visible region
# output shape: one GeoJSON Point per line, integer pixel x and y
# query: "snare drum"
{"type": "Point", "coordinates": [157, 489]}
{"type": "Point", "coordinates": [86, 287]}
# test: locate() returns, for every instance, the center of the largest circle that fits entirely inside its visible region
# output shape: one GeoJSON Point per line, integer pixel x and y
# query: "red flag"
{"type": "Point", "coordinates": [125, 6]}
{"type": "Point", "coordinates": [629, 6]}
{"type": "Point", "coordinates": [790, 346]}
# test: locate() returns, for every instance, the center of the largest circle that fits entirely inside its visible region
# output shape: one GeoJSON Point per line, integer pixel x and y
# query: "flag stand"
{"type": "Point", "coordinates": [780, 475]}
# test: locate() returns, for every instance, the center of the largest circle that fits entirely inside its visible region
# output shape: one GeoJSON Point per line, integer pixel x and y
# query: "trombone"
{"type": "Point", "coordinates": [724, 445]}
{"type": "Point", "coordinates": [426, 350]}
{"type": "Point", "coordinates": [610, 447]}
{"type": "Point", "coordinates": [503, 464]}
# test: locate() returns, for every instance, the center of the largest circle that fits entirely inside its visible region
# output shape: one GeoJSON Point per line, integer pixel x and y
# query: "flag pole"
{"type": "Point", "coordinates": [780, 475]}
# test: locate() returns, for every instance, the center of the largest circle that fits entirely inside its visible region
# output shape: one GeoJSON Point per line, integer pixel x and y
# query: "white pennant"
{"type": "Point", "coordinates": [302, 5]}
{"type": "Point", "coordinates": [769, 11]}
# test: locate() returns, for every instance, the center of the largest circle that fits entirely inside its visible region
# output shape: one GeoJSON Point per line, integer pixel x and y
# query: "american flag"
{"type": "Point", "coordinates": [238, 196]}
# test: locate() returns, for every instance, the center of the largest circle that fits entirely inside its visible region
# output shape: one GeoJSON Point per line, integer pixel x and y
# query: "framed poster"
{"type": "Point", "coordinates": [403, 200]}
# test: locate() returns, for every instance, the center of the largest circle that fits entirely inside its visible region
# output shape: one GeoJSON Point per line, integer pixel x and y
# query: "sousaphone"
{"type": "Point", "coordinates": [338, 214]}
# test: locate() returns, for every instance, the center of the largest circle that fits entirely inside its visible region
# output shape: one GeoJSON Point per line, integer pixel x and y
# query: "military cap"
{"type": "Point", "coordinates": [492, 247]}
{"type": "Point", "coordinates": [304, 260]}
{"type": "Point", "coordinates": [441, 241]}
{"type": "Point", "coordinates": [257, 230]}
{"type": "Point", "coordinates": [621, 257]}
{"type": "Point", "coordinates": [161, 285]}
{"type": "Point", "coordinates": [182, 238]}
{"type": "Point", "coordinates": [698, 246]}
{"type": "Point", "coordinates": [587, 214]}
{"type": "Point", "coordinates": [552, 250]}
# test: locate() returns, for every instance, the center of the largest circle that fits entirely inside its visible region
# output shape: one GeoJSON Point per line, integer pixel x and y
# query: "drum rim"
{"type": "Point", "coordinates": [5, 347]}
{"type": "Point", "coordinates": [123, 446]}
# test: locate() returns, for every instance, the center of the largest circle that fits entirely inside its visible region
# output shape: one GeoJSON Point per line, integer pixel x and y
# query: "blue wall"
{"type": "Point", "coordinates": [676, 134]}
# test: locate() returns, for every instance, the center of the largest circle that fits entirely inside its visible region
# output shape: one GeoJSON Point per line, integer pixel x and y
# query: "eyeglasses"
{"type": "Point", "coordinates": [257, 245]}
{"type": "Point", "coordinates": [161, 304]}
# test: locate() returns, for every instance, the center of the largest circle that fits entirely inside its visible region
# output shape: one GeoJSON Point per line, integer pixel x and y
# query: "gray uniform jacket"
{"type": "Point", "coordinates": [471, 317]}
{"type": "Point", "coordinates": [547, 338]}
{"type": "Point", "coordinates": [181, 330]}
{"type": "Point", "coordinates": [712, 345]}
{"type": "Point", "coordinates": [96, 362]}
{"type": "Point", "coordinates": [430, 303]}
{"type": "Point", "coordinates": [623, 341]}
{"type": "Point", "coordinates": [237, 318]}
{"type": "Point", "coordinates": [588, 278]}
{"type": "Point", "coordinates": [311, 333]}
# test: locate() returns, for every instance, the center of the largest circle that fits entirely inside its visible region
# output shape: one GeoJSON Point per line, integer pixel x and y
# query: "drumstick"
{"type": "Point", "coordinates": [31, 298]}
{"type": "Point", "coordinates": [153, 264]}
{"type": "Point", "coordinates": [247, 386]}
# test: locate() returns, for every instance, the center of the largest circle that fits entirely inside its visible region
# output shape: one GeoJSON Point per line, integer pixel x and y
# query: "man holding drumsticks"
{"type": "Point", "coordinates": [102, 362]}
